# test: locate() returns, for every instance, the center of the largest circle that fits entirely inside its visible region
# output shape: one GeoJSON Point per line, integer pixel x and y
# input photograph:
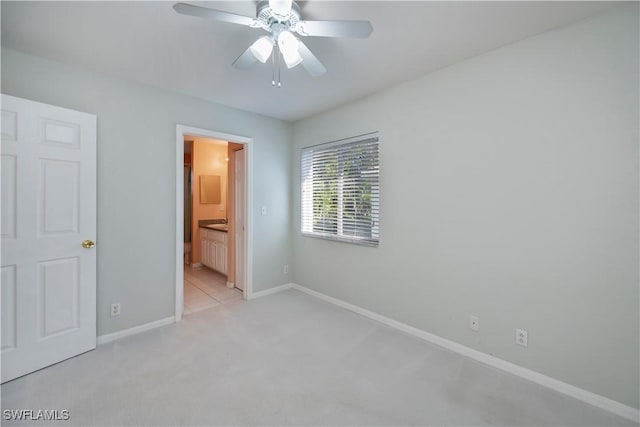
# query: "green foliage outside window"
{"type": "Point", "coordinates": [347, 178]}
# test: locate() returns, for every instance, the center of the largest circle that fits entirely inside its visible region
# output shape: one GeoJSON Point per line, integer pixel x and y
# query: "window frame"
{"type": "Point", "coordinates": [307, 197]}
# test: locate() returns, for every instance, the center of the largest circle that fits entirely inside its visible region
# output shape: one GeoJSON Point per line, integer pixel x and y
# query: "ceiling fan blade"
{"type": "Point", "coordinates": [205, 12]}
{"type": "Point", "coordinates": [246, 60]}
{"type": "Point", "coordinates": [310, 62]}
{"type": "Point", "coordinates": [354, 29]}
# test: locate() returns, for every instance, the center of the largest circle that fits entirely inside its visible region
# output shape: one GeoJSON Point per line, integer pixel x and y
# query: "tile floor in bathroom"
{"type": "Point", "coordinates": [205, 288]}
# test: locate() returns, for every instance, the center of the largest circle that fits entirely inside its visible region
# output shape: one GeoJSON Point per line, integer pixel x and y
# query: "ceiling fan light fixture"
{"type": "Point", "coordinates": [292, 60]}
{"type": "Point", "coordinates": [288, 45]}
{"type": "Point", "coordinates": [262, 48]}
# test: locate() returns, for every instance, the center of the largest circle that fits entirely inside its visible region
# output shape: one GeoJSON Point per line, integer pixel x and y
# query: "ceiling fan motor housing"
{"type": "Point", "coordinates": [267, 17]}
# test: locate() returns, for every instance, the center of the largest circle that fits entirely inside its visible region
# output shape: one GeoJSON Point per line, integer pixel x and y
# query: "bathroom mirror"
{"type": "Point", "coordinates": [210, 189]}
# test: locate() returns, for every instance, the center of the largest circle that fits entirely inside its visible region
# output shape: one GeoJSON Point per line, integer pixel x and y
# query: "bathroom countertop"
{"type": "Point", "coordinates": [214, 224]}
{"type": "Point", "coordinates": [218, 227]}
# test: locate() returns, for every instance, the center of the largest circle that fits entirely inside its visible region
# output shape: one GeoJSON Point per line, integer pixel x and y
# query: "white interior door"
{"type": "Point", "coordinates": [240, 213]}
{"type": "Point", "coordinates": [48, 197]}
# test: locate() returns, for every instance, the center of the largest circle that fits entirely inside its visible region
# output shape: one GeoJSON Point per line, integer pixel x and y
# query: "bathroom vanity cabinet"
{"type": "Point", "coordinates": [213, 245]}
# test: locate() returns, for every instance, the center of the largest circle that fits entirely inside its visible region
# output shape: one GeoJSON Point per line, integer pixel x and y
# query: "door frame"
{"type": "Point", "coordinates": [181, 130]}
{"type": "Point", "coordinates": [236, 215]}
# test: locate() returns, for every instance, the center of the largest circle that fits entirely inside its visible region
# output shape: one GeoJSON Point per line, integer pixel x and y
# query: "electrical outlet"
{"type": "Point", "coordinates": [474, 323]}
{"type": "Point", "coordinates": [522, 337]}
{"type": "Point", "coordinates": [115, 309]}
{"type": "Point", "coordinates": [286, 269]}
{"type": "Point", "coordinates": [221, 208]}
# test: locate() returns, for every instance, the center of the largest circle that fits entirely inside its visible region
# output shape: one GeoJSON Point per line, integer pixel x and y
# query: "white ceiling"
{"type": "Point", "coordinates": [148, 42]}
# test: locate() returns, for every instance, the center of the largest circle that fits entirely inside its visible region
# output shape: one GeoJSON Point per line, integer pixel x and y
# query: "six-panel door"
{"type": "Point", "coordinates": [48, 194]}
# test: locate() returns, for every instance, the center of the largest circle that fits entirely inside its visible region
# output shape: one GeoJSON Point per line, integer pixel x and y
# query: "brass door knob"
{"type": "Point", "coordinates": [88, 244]}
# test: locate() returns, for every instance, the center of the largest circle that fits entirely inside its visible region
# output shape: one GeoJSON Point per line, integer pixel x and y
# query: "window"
{"type": "Point", "coordinates": [340, 190]}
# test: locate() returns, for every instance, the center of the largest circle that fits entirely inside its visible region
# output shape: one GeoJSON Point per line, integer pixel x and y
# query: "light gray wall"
{"type": "Point", "coordinates": [136, 181]}
{"type": "Point", "coordinates": [509, 187]}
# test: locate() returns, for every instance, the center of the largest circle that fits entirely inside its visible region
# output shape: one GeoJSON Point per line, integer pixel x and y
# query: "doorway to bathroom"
{"type": "Point", "coordinates": [212, 219]}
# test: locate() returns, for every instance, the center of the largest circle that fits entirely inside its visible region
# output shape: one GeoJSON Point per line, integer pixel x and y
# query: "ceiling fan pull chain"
{"type": "Point", "coordinates": [279, 55]}
{"type": "Point", "coordinates": [273, 69]}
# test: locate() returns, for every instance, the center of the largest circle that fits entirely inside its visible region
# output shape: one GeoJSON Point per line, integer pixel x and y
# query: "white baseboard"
{"type": "Point", "coordinates": [103, 339]}
{"type": "Point", "coordinates": [231, 285]}
{"type": "Point", "coordinates": [586, 396]}
{"type": "Point", "coordinates": [270, 291]}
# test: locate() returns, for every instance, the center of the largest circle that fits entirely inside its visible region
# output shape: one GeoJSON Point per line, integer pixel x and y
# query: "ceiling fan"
{"type": "Point", "coordinates": [281, 19]}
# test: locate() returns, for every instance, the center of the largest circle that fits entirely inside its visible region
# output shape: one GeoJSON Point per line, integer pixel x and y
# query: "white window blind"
{"type": "Point", "coordinates": [340, 190]}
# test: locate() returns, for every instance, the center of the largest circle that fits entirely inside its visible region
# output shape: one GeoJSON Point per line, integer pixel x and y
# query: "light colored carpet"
{"type": "Point", "coordinates": [287, 359]}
